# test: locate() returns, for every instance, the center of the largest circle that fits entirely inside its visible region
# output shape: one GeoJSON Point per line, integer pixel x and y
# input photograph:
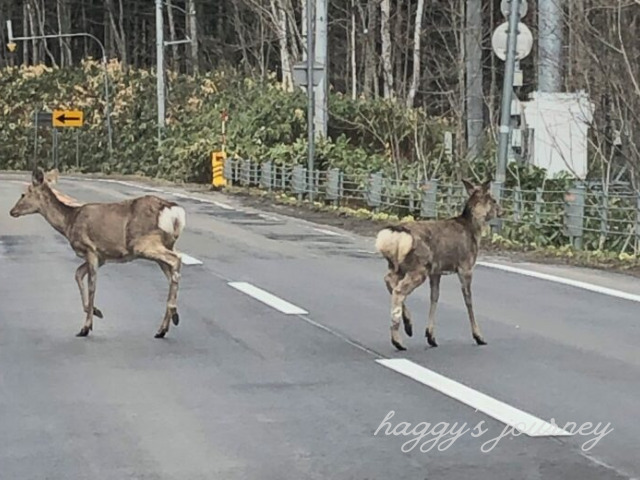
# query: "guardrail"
{"type": "Point", "coordinates": [584, 217]}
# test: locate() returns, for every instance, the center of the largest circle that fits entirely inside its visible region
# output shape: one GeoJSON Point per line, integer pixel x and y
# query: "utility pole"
{"type": "Point", "coordinates": [321, 60]}
{"type": "Point", "coordinates": [507, 93]}
{"type": "Point", "coordinates": [160, 68]}
{"type": "Point", "coordinates": [310, 98]}
{"type": "Point", "coordinates": [550, 45]}
{"type": "Point", "coordinates": [473, 61]}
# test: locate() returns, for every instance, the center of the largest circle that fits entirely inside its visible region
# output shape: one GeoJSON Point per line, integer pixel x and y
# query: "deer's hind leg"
{"type": "Point", "coordinates": [391, 279]}
{"type": "Point", "coordinates": [82, 272]}
{"type": "Point", "coordinates": [151, 248]}
{"type": "Point", "coordinates": [434, 286]}
{"type": "Point", "coordinates": [92, 265]}
{"type": "Point", "coordinates": [401, 291]}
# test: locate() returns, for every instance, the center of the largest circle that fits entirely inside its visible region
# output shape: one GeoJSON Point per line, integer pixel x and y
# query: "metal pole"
{"type": "Point", "coordinates": [507, 91]}
{"type": "Point", "coordinates": [320, 55]}
{"type": "Point", "coordinates": [310, 97]}
{"type": "Point", "coordinates": [104, 65]}
{"type": "Point", "coordinates": [160, 68]}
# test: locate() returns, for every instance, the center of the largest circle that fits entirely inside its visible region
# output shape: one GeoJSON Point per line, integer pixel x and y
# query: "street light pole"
{"type": "Point", "coordinates": [12, 39]}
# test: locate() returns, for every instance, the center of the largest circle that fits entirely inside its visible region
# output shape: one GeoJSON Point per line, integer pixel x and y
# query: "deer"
{"type": "Point", "coordinates": [433, 248]}
{"type": "Point", "coordinates": [145, 227]}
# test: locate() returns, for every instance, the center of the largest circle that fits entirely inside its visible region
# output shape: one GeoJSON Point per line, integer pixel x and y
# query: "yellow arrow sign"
{"type": "Point", "coordinates": [68, 118]}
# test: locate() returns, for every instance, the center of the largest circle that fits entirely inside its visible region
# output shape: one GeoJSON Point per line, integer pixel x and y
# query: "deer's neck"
{"type": "Point", "coordinates": [57, 213]}
{"type": "Point", "coordinates": [474, 224]}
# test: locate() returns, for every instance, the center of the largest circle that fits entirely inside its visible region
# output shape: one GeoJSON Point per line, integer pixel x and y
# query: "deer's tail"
{"type": "Point", "coordinates": [172, 220]}
{"type": "Point", "coordinates": [394, 243]}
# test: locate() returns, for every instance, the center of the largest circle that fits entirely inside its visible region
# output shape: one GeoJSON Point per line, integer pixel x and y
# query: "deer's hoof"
{"type": "Point", "coordinates": [398, 345]}
{"type": "Point", "coordinates": [479, 340]}
{"type": "Point", "coordinates": [161, 334]}
{"type": "Point", "coordinates": [431, 340]}
{"type": "Point", "coordinates": [408, 328]}
{"type": "Point", "coordinates": [83, 332]}
{"type": "Point", "coordinates": [97, 313]}
{"type": "Point", "coordinates": [176, 319]}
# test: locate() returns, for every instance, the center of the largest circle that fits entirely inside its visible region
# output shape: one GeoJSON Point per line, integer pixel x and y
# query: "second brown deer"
{"type": "Point", "coordinates": [432, 248]}
{"type": "Point", "coordinates": [145, 227]}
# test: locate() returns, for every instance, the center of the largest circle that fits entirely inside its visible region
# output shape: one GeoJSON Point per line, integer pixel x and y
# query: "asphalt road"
{"type": "Point", "coordinates": [241, 390]}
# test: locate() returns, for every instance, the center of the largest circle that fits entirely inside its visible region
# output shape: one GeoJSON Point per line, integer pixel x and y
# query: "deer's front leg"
{"type": "Point", "coordinates": [465, 282]}
{"type": "Point", "coordinates": [82, 272]}
{"type": "Point", "coordinates": [92, 264]}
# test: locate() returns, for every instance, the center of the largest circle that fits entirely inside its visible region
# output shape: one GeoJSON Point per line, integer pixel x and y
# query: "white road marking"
{"type": "Point", "coordinates": [189, 260]}
{"type": "Point", "coordinates": [268, 298]}
{"type": "Point", "coordinates": [519, 420]}
{"type": "Point", "coordinates": [565, 281]}
{"type": "Point", "coordinates": [224, 206]}
{"type": "Point", "coordinates": [329, 232]}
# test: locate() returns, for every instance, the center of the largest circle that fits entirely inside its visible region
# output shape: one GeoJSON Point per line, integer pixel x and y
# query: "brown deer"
{"type": "Point", "coordinates": [145, 227]}
{"type": "Point", "coordinates": [432, 248]}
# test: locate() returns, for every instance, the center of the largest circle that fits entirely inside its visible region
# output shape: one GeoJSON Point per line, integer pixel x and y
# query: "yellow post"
{"type": "Point", "coordinates": [217, 169]}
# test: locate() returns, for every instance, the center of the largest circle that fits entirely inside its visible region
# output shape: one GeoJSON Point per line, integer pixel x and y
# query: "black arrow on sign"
{"type": "Point", "coordinates": [63, 118]}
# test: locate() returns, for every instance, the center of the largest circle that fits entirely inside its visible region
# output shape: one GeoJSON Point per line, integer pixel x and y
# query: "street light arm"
{"type": "Point", "coordinates": [61, 35]}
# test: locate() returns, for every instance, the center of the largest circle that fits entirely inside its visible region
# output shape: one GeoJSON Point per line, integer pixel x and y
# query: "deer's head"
{"type": "Point", "coordinates": [481, 204]}
{"type": "Point", "coordinates": [34, 198]}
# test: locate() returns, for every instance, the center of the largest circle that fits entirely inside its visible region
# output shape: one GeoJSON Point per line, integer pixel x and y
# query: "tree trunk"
{"type": "Point", "coordinates": [193, 34]}
{"type": "Point", "coordinates": [417, 35]}
{"type": "Point", "coordinates": [387, 66]}
{"type": "Point", "coordinates": [371, 57]}
{"type": "Point", "coordinates": [172, 36]}
{"type": "Point", "coordinates": [354, 62]}
{"type": "Point", "coordinates": [279, 13]}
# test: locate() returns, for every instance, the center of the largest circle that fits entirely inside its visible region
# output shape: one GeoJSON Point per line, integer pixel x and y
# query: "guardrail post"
{"type": "Point", "coordinates": [496, 191]}
{"type": "Point", "coordinates": [227, 170]}
{"type": "Point", "coordinates": [374, 190]}
{"type": "Point", "coordinates": [333, 185]}
{"type": "Point", "coordinates": [245, 172]}
{"type": "Point", "coordinates": [428, 203]}
{"type": "Point", "coordinates": [266, 174]}
{"type": "Point", "coordinates": [603, 207]}
{"type": "Point", "coordinates": [299, 181]}
{"type": "Point", "coordinates": [517, 204]}
{"type": "Point", "coordinates": [538, 207]}
{"type": "Point", "coordinates": [574, 214]}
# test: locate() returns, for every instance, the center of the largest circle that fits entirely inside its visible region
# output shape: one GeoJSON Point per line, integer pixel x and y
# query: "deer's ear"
{"type": "Point", "coordinates": [486, 185]}
{"type": "Point", "coordinates": [37, 177]}
{"type": "Point", "coordinates": [469, 186]}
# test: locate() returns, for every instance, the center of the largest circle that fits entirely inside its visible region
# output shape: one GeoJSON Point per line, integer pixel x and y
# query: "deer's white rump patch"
{"type": "Point", "coordinates": [172, 220]}
{"type": "Point", "coordinates": [394, 245]}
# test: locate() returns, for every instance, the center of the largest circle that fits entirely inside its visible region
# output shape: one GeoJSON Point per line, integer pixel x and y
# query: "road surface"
{"type": "Point", "coordinates": [282, 368]}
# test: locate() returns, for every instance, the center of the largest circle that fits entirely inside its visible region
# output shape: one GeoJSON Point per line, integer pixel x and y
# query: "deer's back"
{"type": "Point", "coordinates": [444, 245]}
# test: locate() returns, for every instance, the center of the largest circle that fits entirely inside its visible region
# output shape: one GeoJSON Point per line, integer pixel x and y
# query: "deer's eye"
{"type": "Point", "coordinates": [22, 196]}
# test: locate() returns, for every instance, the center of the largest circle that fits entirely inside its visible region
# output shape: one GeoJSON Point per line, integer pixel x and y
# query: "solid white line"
{"type": "Point", "coordinates": [565, 281]}
{"type": "Point", "coordinates": [519, 420]}
{"type": "Point", "coordinates": [224, 206]}
{"type": "Point", "coordinates": [268, 299]}
{"type": "Point", "coordinates": [189, 260]}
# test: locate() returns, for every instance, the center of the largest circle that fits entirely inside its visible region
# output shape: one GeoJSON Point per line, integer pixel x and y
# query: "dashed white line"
{"type": "Point", "coordinates": [268, 298]}
{"type": "Point", "coordinates": [519, 420]}
{"type": "Point", "coordinates": [565, 281]}
{"type": "Point", "coordinates": [329, 232]}
{"type": "Point", "coordinates": [189, 260]}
